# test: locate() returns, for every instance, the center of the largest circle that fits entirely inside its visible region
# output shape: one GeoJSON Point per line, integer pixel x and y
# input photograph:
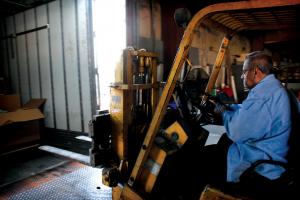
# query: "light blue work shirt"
{"type": "Point", "coordinates": [259, 129]}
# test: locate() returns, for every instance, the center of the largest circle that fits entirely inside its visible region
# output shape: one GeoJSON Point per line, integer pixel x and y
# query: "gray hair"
{"type": "Point", "coordinates": [261, 60]}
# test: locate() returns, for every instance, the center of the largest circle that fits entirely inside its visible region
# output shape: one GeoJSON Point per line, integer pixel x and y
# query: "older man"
{"type": "Point", "coordinates": [257, 129]}
{"type": "Point", "coordinates": [261, 125]}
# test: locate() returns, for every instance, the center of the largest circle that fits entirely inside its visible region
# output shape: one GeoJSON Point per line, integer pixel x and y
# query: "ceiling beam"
{"type": "Point", "coordinates": [271, 27]}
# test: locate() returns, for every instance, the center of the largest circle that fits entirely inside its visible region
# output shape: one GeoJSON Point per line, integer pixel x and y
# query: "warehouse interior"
{"type": "Point", "coordinates": [87, 87]}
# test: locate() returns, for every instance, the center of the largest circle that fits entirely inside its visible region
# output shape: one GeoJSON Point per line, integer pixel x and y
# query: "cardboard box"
{"type": "Point", "coordinates": [20, 126]}
{"type": "Point", "coordinates": [10, 102]}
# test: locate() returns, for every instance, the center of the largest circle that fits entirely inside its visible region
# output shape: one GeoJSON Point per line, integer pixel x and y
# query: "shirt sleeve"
{"type": "Point", "coordinates": [248, 121]}
{"type": "Point", "coordinates": [233, 107]}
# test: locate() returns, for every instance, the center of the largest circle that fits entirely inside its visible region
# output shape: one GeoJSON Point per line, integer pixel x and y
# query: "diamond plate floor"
{"type": "Point", "coordinates": [84, 183]}
{"type": "Point", "coordinates": [11, 173]}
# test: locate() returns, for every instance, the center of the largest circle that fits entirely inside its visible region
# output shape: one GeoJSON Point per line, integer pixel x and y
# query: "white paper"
{"type": "Point", "coordinates": [215, 133]}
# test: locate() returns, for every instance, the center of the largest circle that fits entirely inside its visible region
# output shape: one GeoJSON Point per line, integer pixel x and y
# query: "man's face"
{"type": "Point", "coordinates": [248, 75]}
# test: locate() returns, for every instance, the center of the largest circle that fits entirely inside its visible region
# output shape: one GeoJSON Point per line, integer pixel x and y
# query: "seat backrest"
{"type": "Point", "coordinates": [294, 141]}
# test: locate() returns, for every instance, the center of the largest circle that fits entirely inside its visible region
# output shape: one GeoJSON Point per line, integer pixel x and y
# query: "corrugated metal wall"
{"type": "Point", "coordinates": [55, 63]}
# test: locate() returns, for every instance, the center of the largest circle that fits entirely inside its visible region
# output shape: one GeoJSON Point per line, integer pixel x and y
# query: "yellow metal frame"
{"type": "Point", "coordinates": [122, 99]}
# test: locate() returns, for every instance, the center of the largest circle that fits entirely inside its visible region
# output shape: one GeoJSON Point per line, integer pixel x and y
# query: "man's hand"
{"type": "Point", "coordinates": [219, 108]}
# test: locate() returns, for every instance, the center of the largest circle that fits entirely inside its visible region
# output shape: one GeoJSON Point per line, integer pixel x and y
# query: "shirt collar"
{"type": "Point", "coordinates": [267, 79]}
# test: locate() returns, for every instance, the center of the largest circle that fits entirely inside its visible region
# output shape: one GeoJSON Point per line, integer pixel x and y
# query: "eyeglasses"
{"type": "Point", "coordinates": [245, 72]}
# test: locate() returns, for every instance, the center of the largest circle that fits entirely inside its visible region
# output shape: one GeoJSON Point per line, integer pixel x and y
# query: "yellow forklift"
{"type": "Point", "coordinates": [141, 139]}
